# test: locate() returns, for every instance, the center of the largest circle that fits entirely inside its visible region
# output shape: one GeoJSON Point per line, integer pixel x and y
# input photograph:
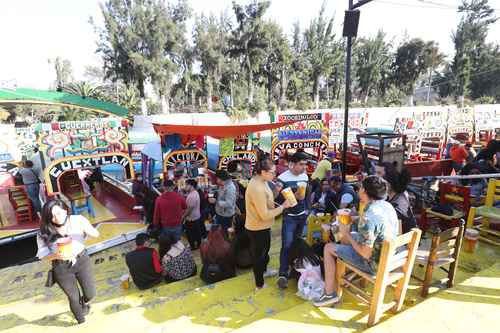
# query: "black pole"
{"type": "Point", "coordinates": [347, 99]}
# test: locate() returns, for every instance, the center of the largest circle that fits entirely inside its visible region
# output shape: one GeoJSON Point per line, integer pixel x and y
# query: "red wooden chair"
{"type": "Point", "coordinates": [23, 212]}
{"type": "Point", "coordinates": [456, 196]}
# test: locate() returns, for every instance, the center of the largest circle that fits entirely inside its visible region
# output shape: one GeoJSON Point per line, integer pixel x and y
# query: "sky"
{"type": "Point", "coordinates": [33, 31]}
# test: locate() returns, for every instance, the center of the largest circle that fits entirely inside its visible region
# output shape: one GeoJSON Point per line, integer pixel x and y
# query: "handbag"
{"type": "Point", "coordinates": [50, 278]}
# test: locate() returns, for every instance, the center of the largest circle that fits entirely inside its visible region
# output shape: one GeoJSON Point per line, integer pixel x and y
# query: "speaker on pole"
{"type": "Point", "coordinates": [351, 22]}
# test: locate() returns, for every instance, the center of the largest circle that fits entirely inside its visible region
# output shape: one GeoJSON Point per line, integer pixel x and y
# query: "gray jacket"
{"type": "Point", "coordinates": [226, 200]}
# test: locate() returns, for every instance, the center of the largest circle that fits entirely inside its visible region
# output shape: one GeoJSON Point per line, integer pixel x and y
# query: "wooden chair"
{"type": "Point", "coordinates": [486, 212]}
{"type": "Point", "coordinates": [24, 213]}
{"type": "Point", "coordinates": [444, 250]}
{"type": "Point", "coordinates": [455, 195]}
{"type": "Point", "coordinates": [394, 267]}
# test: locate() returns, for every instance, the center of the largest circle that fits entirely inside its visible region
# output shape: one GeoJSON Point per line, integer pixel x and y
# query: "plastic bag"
{"type": "Point", "coordinates": [310, 285]}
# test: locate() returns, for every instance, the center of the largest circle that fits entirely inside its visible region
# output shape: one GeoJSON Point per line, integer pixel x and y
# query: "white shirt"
{"type": "Point", "coordinates": [77, 228]}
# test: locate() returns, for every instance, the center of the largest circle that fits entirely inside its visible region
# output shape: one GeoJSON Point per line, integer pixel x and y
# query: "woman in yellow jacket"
{"type": "Point", "coordinates": [260, 213]}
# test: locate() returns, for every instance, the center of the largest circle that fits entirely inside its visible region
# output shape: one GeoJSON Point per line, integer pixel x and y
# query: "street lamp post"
{"type": "Point", "coordinates": [349, 36]}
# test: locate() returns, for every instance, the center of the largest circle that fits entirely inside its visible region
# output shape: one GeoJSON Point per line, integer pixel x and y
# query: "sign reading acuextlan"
{"type": "Point", "coordinates": [58, 167]}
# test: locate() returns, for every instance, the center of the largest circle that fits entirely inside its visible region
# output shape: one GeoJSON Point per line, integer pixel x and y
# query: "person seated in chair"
{"type": "Point", "coordinates": [177, 259]}
{"type": "Point", "coordinates": [361, 249]}
{"type": "Point", "coordinates": [144, 263]}
{"type": "Point", "coordinates": [346, 196]}
{"type": "Point", "coordinates": [323, 200]}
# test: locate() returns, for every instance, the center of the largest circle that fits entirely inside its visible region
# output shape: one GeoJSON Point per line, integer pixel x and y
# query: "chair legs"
{"type": "Point", "coordinates": [339, 275]}
{"type": "Point", "coordinates": [376, 303]}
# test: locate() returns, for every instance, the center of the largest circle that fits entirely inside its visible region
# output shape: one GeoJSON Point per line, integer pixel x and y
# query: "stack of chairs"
{"type": "Point", "coordinates": [21, 204]}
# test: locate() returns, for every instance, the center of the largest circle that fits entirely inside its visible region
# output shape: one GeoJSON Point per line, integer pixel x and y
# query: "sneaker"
{"type": "Point", "coordinates": [270, 273]}
{"type": "Point", "coordinates": [86, 309]}
{"type": "Point", "coordinates": [282, 282]}
{"type": "Point", "coordinates": [326, 300]}
{"type": "Point", "coordinates": [260, 288]}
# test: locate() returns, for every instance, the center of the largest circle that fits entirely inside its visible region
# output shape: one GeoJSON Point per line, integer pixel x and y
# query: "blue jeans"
{"type": "Point", "coordinates": [176, 231]}
{"type": "Point", "coordinates": [224, 222]}
{"type": "Point", "coordinates": [291, 230]}
{"type": "Point", "coordinates": [349, 255]}
{"type": "Point", "coordinates": [33, 191]}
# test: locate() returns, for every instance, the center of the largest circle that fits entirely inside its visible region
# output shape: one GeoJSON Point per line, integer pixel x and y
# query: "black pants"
{"type": "Point", "coordinates": [69, 276]}
{"type": "Point", "coordinates": [260, 243]}
{"type": "Point", "coordinates": [193, 233]}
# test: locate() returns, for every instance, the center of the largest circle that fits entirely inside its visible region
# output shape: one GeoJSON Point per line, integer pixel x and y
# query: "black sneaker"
{"type": "Point", "coordinates": [326, 300]}
{"type": "Point", "coordinates": [282, 282]}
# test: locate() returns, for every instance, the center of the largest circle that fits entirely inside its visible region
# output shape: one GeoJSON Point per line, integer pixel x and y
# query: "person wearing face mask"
{"type": "Point", "coordinates": [61, 241]}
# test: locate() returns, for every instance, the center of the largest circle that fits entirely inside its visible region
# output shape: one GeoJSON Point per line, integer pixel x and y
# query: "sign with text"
{"type": "Point", "coordinates": [193, 156]}
{"type": "Point", "coordinates": [60, 166]}
{"type": "Point", "coordinates": [307, 126]}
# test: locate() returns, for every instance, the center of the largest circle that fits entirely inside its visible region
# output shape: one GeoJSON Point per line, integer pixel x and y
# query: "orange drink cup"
{"type": "Point", "coordinates": [344, 216]}
{"type": "Point", "coordinates": [471, 236]}
{"type": "Point", "coordinates": [325, 232]}
{"type": "Point", "coordinates": [301, 190]}
{"type": "Point", "coordinates": [289, 195]}
{"type": "Point", "coordinates": [124, 281]}
{"type": "Point", "coordinates": [64, 247]}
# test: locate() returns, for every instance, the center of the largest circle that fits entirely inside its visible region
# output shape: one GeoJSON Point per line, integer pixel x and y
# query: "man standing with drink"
{"type": "Point", "coordinates": [294, 218]}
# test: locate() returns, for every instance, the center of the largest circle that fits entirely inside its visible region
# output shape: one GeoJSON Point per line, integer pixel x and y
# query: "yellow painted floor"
{"type": "Point", "coordinates": [233, 305]}
{"type": "Point", "coordinates": [112, 230]}
{"type": "Point", "coordinates": [101, 212]}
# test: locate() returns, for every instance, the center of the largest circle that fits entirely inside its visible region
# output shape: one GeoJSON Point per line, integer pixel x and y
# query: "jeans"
{"type": "Point", "coordinates": [224, 222]}
{"type": "Point", "coordinates": [69, 276]}
{"type": "Point", "coordinates": [349, 255]}
{"type": "Point", "coordinates": [260, 243]}
{"type": "Point", "coordinates": [291, 230]}
{"type": "Point", "coordinates": [33, 191]}
{"type": "Point", "coordinates": [176, 231]}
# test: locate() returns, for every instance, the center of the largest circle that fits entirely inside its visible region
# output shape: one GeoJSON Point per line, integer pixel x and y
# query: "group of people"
{"type": "Point", "coordinates": [240, 232]}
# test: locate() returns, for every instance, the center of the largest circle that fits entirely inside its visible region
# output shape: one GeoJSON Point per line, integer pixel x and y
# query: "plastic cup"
{"type": "Point", "coordinates": [344, 216]}
{"type": "Point", "coordinates": [289, 195]}
{"type": "Point", "coordinates": [301, 190]}
{"type": "Point", "coordinates": [471, 236]}
{"type": "Point", "coordinates": [64, 247]}
{"type": "Point", "coordinates": [320, 214]}
{"type": "Point", "coordinates": [125, 281]}
{"type": "Point", "coordinates": [325, 232]}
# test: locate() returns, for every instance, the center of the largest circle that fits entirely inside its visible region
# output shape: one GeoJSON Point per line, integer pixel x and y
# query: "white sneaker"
{"type": "Point", "coordinates": [260, 288]}
{"type": "Point", "coordinates": [270, 273]}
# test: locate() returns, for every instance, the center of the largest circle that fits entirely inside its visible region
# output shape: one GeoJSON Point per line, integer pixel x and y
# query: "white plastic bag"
{"type": "Point", "coordinates": [310, 285]}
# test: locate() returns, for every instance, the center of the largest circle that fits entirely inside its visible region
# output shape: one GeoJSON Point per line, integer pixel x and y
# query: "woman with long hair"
{"type": "Point", "coordinates": [61, 240]}
{"type": "Point", "coordinates": [216, 256]}
{"type": "Point", "coordinates": [261, 211]}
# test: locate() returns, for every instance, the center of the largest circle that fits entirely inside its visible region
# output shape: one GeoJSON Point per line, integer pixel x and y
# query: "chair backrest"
{"type": "Point", "coordinates": [493, 193]}
{"type": "Point", "coordinates": [447, 243]}
{"type": "Point", "coordinates": [398, 254]}
{"type": "Point", "coordinates": [455, 194]}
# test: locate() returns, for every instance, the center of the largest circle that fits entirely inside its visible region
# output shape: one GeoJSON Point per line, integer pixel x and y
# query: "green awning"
{"type": "Point", "coordinates": [32, 96]}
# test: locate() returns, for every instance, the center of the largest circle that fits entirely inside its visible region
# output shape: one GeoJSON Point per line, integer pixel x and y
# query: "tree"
{"type": "Point", "coordinates": [247, 42]}
{"type": "Point", "coordinates": [64, 72]}
{"type": "Point", "coordinates": [210, 38]}
{"type": "Point", "coordinates": [470, 44]}
{"type": "Point", "coordinates": [410, 62]}
{"type": "Point", "coordinates": [433, 59]}
{"type": "Point", "coordinates": [321, 50]}
{"type": "Point", "coordinates": [84, 89]}
{"type": "Point", "coordinates": [300, 70]}
{"type": "Point", "coordinates": [371, 61]}
{"type": "Point", "coordinates": [276, 63]}
{"type": "Point", "coordinates": [139, 41]}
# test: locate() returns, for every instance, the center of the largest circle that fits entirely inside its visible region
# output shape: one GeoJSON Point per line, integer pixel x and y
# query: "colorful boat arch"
{"type": "Point", "coordinates": [58, 167]}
